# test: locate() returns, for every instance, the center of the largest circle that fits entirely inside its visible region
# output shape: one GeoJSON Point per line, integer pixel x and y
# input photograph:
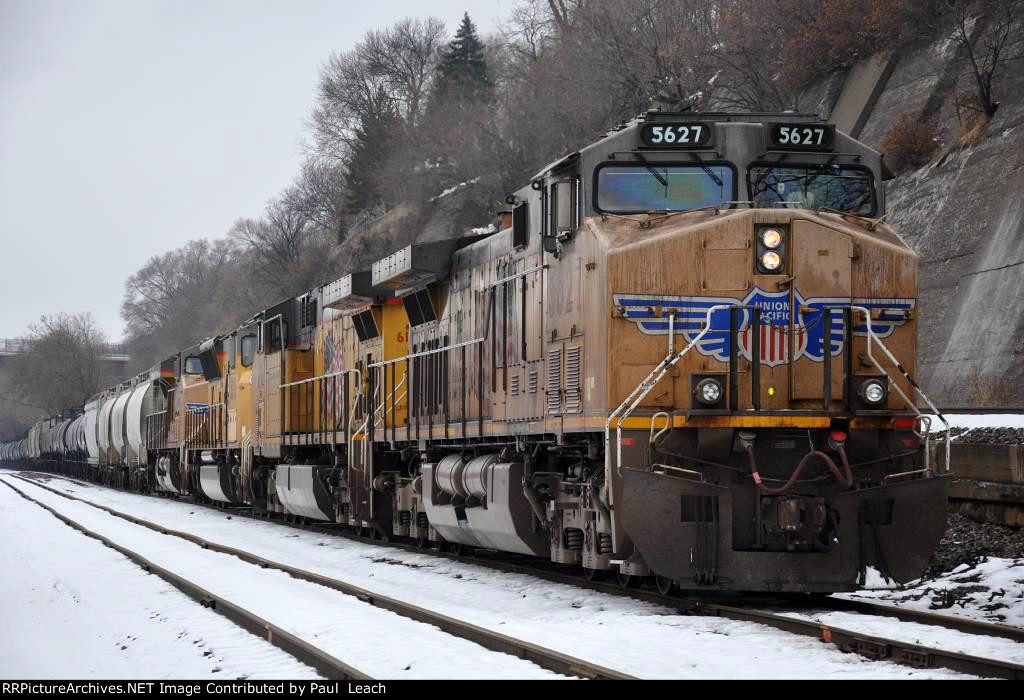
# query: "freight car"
{"type": "Point", "coordinates": [688, 353]}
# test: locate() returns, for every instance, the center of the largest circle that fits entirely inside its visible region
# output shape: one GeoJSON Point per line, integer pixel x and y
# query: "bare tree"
{"type": "Point", "coordinates": [987, 31]}
{"type": "Point", "coordinates": [388, 73]}
{"type": "Point", "coordinates": [405, 56]}
{"type": "Point", "coordinates": [63, 366]}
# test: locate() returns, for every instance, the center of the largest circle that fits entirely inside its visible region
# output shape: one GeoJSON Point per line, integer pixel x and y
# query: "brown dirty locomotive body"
{"type": "Point", "coordinates": [689, 355]}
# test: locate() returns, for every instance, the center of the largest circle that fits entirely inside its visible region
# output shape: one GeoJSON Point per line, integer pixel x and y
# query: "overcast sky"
{"type": "Point", "coordinates": [128, 127]}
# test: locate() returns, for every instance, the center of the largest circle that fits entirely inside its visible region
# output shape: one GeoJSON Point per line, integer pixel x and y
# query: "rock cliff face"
{"type": "Point", "coordinates": [964, 214]}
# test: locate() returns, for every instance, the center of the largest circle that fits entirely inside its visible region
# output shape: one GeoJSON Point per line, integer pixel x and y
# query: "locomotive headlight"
{"type": "Point", "coordinates": [873, 392]}
{"type": "Point", "coordinates": [771, 261]}
{"type": "Point", "coordinates": [708, 391]}
{"type": "Point", "coordinates": [771, 238]}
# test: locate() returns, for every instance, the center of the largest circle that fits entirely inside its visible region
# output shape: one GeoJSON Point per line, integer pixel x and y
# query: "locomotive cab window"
{"type": "Point", "coordinates": [845, 188]}
{"type": "Point", "coordinates": [248, 350]}
{"type": "Point", "coordinates": [193, 365]}
{"type": "Point", "coordinates": [564, 207]}
{"type": "Point", "coordinates": [639, 188]}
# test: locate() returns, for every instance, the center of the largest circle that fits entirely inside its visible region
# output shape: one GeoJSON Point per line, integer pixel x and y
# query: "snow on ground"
{"type": "Point", "coordinates": [74, 608]}
{"type": "Point", "coordinates": [377, 642]}
{"type": "Point", "coordinates": [968, 420]}
{"type": "Point", "coordinates": [992, 590]}
{"type": "Point", "coordinates": [635, 637]}
{"type": "Point", "coordinates": [921, 634]}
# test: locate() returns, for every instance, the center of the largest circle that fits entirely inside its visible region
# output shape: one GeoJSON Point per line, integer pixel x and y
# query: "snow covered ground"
{"type": "Point", "coordinates": [970, 420]}
{"type": "Point", "coordinates": [74, 608]}
{"type": "Point", "coordinates": [992, 590]}
{"type": "Point", "coordinates": [377, 642]}
{"type": "Point", "coordinates": [638, 638]}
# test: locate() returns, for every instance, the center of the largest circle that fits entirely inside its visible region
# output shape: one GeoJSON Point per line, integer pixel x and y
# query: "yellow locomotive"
{"type": "Point", "coordinates": [688, 353]}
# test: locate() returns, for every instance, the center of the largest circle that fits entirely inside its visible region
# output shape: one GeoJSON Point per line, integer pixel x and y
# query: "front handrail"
{"type": "Point", "coordinates": [626, 408]}
{"type": "Point", "coordinates": [871, 335]}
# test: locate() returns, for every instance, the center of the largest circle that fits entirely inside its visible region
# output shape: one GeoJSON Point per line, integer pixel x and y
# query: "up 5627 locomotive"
{"type": "Point", "coordinates": [687, 354]}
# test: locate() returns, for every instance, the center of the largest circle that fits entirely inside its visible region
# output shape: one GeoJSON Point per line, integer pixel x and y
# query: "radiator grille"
{"type": "Point", "coordinates": [554, 388]}
{"type": "Point", "coordinates": [573, 372]}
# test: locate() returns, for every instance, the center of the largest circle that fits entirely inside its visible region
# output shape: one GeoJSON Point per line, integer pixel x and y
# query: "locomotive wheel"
{"type": "Point", "coordinates": [628, 580]}
{"type": "Point", "coordinates": [458, 549]}
{"type": "Point", "coordinates": [665, 585]}
{"type": "Point", "coordinates": [422, 543]}
{"type": "Point", "coordinates": [593, 574]}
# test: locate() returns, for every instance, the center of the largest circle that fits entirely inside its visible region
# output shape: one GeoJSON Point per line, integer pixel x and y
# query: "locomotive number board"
{"type": "Point", "coordinates": [802, 137]}
{"type": "Point", "coordinates": [675, 135]}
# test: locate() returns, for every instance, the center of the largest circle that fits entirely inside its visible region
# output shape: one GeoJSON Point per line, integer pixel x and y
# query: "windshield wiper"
{"type": "Point", "coordinates": [650, 168]}
{"type": "Point", "coordinates": [708, 171]}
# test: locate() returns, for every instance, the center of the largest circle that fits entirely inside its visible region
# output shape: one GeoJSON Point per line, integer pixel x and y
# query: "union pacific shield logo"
{"type": "Point", "coordinates": [774, 328]}
{"type": "Point", "coordinates": [650, 313]}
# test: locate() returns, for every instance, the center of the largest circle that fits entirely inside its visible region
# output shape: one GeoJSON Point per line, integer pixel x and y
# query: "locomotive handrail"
{"type": "Point", "coordinates": [518, 275]}
{"type": "Point", "coordinates": [641, 391]}
{"type": "Point", "coordinates": [906, 375]}
{"type": "Point", "coordinates": [358, 373]}
{"type": "Point", "coordinates": [424, 353]}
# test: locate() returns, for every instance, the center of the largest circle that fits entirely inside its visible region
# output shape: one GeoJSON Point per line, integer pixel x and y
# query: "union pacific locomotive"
{"type": "Point", "coordinates": [688, 354]}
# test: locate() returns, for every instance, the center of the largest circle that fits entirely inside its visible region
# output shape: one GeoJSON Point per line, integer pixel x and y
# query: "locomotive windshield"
{"type": "Point", "coordinates": [639, 188]}
{"type": "Point", "coordinates": [842, 188]}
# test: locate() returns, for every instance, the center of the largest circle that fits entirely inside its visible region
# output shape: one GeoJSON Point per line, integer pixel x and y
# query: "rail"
{"type": "Point", "coordinates": [426, 376]}
{"type": "Point", "coordinates": [926, 420]}
{"type": "Point", "coordinates": [495, 641]}
{"type": "Point", "coordinates": [320, 406]}
{"type": "Point", "coordinates": [157, 427]}
{"type": "Point", "coordinates": [205, 427]}
{"type": "Point", "coordinates": [244, 618]}
{"type": "Point", "coordinates": [626, 408]}
{"type": "Point", "coordinates": [875, 648]}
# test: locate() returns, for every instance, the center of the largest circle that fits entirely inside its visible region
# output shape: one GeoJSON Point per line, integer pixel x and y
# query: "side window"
{"type": "Point", "coordinates": [229, 348]}
{"type": "Point", "coordinates": [248, 350]}
{"type": "Point", "coordinates": [564, 207]}
{"type": "Point", "coordinates": [273, 331]}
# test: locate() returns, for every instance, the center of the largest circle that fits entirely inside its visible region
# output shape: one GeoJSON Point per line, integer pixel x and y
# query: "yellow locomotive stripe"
{"type": "Point", "coordinates": [644, 423]}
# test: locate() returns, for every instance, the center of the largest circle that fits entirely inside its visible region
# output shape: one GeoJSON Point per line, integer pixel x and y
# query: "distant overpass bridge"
{"type": "Point", "coordinates": [114, 353]}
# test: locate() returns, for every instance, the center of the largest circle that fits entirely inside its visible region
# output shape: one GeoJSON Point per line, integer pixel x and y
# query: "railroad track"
{"type": "Point", "coordinates": [545, 658]}
{"type": "Point", "coordinates": [248, 620]}
{"type": "Point", "coordinates": [869, 646]}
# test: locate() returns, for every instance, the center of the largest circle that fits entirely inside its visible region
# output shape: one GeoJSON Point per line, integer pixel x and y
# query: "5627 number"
{"type": "Point", "coordinates": [802, 136]}
{"type": "Point", "coordinates": [675, 135]}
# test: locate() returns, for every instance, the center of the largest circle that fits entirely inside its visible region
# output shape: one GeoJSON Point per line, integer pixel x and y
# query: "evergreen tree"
{"type": "Point", "coordinates": [462, 73]}
{"type": "Point", "coordinates": [375, 139]}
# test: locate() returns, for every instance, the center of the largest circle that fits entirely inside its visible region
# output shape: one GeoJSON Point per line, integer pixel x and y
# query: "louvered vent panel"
{"type": "Point", "coordinates": [554, 388]}
{"type": "Point", "coordinates": [513, 384]}
{"type": "Point", "coordinates": [531, 382]}
{"type": "Point", "coordinates": [573, 371]}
